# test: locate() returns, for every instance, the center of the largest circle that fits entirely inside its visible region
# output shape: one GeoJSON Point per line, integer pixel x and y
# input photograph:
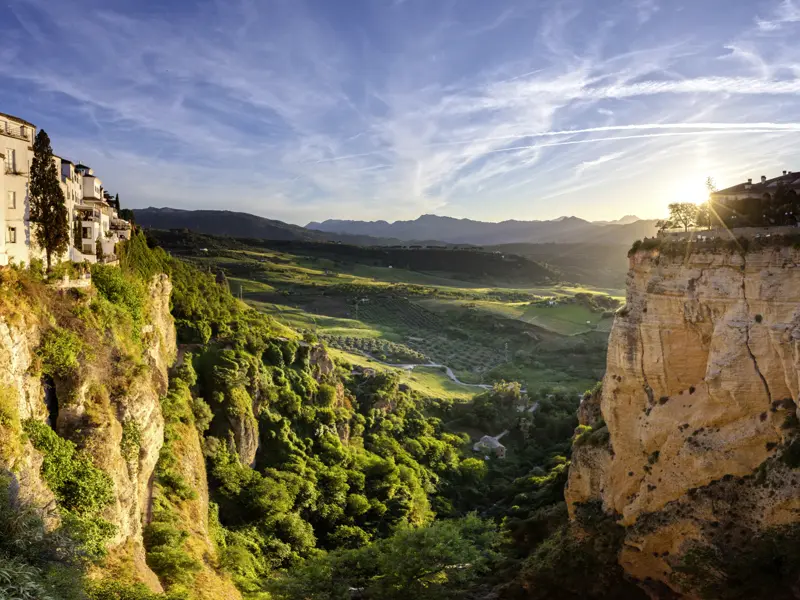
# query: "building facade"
{"type": "Point", "coordinates": [17, 149]}
{"type": "Point", "coordinates": [94, 225]}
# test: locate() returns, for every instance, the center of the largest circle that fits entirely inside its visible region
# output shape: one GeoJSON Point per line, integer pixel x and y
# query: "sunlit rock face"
{"type": "Point", "coordinates": [699, 397]}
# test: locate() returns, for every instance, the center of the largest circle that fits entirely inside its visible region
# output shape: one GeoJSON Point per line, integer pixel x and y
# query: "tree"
{"type": "Point", "coordinates": [48, 209]}
{"type": "Point", "coordinates": [663, 225]}
{"type": "Point", "coordinates": [116, 202]}
{"type": "Point", "coordinates": [710, 185]}
{"type": "Point", "coordinates": [703, 216]}
{"type": "Point", "coordinates": [434, 562]}
{"type": "Point", "coordinates": [683, 213]}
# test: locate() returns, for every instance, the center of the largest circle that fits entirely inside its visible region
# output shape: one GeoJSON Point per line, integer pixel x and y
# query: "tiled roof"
{"type": "Point", "coordinates": [791, 180]}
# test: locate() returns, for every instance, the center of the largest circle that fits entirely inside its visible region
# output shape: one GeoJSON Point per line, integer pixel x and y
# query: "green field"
{"type": "Point", "coordinates": [545, 336]}
{"type": "Point", "coordinates": [428, 381]}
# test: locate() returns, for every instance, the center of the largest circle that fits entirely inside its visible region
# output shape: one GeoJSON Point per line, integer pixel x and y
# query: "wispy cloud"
{"type": "Point", "coordinates": [304, 110]}
{"type": "Point", "coordinates": [786, 12]}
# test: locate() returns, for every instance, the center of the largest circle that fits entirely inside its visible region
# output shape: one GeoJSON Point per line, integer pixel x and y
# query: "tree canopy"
{"type": "Point", "coordinates": [47, 206]}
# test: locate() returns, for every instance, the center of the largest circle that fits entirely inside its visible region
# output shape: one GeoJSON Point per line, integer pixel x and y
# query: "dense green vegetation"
{"type": "Point", "coordinates": [323, 478]}
{"type": "Point", "coordinates": [540, 335]}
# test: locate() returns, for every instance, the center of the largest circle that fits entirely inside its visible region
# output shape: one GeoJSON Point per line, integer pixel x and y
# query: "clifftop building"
{"type": "Point", "coordinates": [764, 189]}
{"type": "Point", "coordinates": [94, 225]}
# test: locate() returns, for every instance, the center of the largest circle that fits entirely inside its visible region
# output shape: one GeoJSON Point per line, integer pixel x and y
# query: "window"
{"type": "Point", "coordinates": [87, 233]}
{"type": "Point", "coordinates": [12, 199]}
{"type": "Point", "coordinates": [11, 235]}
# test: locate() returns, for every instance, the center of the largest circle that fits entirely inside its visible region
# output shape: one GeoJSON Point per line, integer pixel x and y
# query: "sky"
{"type": "Point", "coordinates": [305, 110]}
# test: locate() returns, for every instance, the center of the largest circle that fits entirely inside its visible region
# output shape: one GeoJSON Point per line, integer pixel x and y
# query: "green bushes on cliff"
{"type": "Point", "coordinates": [82, 489]}
{"type": "Point", "coordinates": [60, 351]}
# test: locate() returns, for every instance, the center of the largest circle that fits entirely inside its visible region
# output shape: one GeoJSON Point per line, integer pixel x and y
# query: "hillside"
{"type": "Point", "coordinates": [467, 231]}
{"type": "Point", "coordinates": [466, 265]}
{"type": "Point", "coordinates": [159, 440]}
{"type": "Point", "coordinates": [245, 225]}
{"type": "Point", "coordinates": [586, 263]}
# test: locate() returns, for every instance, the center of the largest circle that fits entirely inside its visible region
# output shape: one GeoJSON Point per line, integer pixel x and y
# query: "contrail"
{"type": "Point", "coordinates": [633, 137]}
{"type": "Point", "coordinates": [732, 127]}
{"type": "Point", "coordinates": [710, 128]}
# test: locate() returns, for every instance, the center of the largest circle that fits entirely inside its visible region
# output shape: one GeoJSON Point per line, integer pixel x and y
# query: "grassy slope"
{"type": "Point", "coordinates": [319, 295]}
{"type": "Point", "coordinates": [430, 382]}
{"type": "Point", "coordinates": [564, 319]}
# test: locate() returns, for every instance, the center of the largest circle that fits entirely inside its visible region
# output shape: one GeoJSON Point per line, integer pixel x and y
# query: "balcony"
{"type": "Point", "coordinates": [13, 170]}
{"type": "Point", "coordinates": [21, 132]}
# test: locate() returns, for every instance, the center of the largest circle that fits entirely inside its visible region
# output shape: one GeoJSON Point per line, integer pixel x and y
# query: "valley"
{"type": "Point", "coordinates": [535, 331]}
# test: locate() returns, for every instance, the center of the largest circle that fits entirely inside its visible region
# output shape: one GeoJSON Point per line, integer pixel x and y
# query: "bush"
{"type": "Point", "coordinates": [81, 489]}
{"type": "Point", "coordinates": [124, 290]}
{"type": "Point", "coordinates": [10, 427]}
{"type": "Point", "coordinates": [131, 440]}
{"type": "Point", "coordinates": [59, 351]}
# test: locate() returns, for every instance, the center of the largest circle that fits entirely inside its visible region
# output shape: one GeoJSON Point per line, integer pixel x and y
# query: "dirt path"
{"type": "Point", "coordinates": [447, 370]}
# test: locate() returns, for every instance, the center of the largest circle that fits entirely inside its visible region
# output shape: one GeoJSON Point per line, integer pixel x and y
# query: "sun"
{"type": "Point", "coordinates": [689, 190]}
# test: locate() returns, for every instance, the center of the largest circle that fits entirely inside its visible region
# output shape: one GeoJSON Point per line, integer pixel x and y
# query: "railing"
{"type": "Point", "coordinates": [13, 170]}
{"type": "Point", "coordinates": [20, 131]}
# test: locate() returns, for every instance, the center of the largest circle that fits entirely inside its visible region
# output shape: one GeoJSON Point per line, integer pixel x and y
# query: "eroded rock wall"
{"type": "Point", "coordinates": [702, 380]}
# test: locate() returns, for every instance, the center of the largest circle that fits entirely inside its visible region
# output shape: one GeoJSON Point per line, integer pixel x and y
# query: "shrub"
{"type": "Point", "coordinates": [81, 489]}
{"type": "Point", "coordinates": [202, 414]}
{"type": "Point", "coordinates": [10, 427]}
{"type": "Point", "coordinates": [123, 290]}
{"type": "Point", "coordinates": [59, 351]}
{"type": "Point", "coordinates": [79, 486]}
{"type": "Point", "coordinates": [131, 440]}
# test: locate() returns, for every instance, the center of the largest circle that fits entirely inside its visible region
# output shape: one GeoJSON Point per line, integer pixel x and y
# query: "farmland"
{"type": "Point", "coordinates": [549, 336]}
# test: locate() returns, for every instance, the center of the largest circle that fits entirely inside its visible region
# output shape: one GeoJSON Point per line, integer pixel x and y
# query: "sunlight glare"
{"type": "Point", "coordinates": [689, 190]}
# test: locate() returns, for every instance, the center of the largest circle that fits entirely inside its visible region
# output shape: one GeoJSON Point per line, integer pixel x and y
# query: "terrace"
{"type": "Point", "coordinates": [21, 132]}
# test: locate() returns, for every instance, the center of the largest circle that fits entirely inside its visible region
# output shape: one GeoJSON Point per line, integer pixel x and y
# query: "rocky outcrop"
{"type": "Point", "coordinates": [110, 408]}
{"type": "Point", "coordinates": [21, 390]}
{"type": "Point", "coordinates": [699, 398]}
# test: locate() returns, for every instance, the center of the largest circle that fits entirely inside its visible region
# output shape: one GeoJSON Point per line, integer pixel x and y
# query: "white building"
{"type": "Point", "coordinates": [91, 218]}
{"type": "Point", "coordinates": [17, 149]}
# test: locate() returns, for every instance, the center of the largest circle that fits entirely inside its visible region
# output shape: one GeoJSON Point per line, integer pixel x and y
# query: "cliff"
{"type": "Point", "coordinates": [95, 375]}
{"type": "Point", "coordinates": [697, 412]}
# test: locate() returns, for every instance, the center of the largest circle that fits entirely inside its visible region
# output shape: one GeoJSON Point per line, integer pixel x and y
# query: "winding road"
{"type": "Point", "coordinates": [448, 370]}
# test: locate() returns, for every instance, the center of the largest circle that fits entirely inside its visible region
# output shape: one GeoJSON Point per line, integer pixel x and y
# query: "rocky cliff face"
{"type": "Point", "coordinates": [111, 395]}
{"type": "Point", "coordinates": [699, 401]}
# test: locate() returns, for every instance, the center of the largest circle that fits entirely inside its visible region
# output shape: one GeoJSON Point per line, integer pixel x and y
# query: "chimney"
{"type": "Point", "coordinates": [784, 172]}
{"type": "Point", "coordinates": [763, 179]}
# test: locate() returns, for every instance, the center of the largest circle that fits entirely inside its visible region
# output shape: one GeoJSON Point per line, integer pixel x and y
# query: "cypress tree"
{"type": "Point", "coordinates": [47, 207]}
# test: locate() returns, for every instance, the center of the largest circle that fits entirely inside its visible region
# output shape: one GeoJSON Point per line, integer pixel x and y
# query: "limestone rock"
{"type": "Point", "coordinates": [703, 373]}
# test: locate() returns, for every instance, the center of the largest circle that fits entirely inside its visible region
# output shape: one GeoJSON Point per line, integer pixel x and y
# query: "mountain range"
{"type": "Point", "coordinates": [426, 230]}
{"type": "Point", "coordinates": [244, 225]}
{"type": "Point", "coordinates": [466, 231]}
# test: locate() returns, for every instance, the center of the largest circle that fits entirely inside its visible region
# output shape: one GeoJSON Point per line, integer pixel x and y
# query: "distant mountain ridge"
{"type": "Point", "coordinates": [467, 231]}
{"type": "Point", "coordinates": [245, 225]}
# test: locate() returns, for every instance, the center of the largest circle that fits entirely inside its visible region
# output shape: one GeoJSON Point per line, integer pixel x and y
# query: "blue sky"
{"type": "Point", "coordinates": [305, 110]}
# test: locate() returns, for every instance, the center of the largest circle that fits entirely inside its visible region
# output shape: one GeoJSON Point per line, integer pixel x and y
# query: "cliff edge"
{"type": "Point", "coordinates": [698, 411]}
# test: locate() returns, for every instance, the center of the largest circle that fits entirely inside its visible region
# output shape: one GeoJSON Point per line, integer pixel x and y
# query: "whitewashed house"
{"type": "Point", "coordinates": [91, 218]}
{"type": "Point", "coordinates": [16, 145]}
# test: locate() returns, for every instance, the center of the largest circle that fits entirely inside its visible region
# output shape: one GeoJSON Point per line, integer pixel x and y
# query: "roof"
{"type": "Point", "coordinates": [790, 179]}
{"type": "Point", "coordinates": [64, 160]}
{"type": "Point", "coordinates": [17, 119]}
{"type": "Point", "coordinates": [81, 166]}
